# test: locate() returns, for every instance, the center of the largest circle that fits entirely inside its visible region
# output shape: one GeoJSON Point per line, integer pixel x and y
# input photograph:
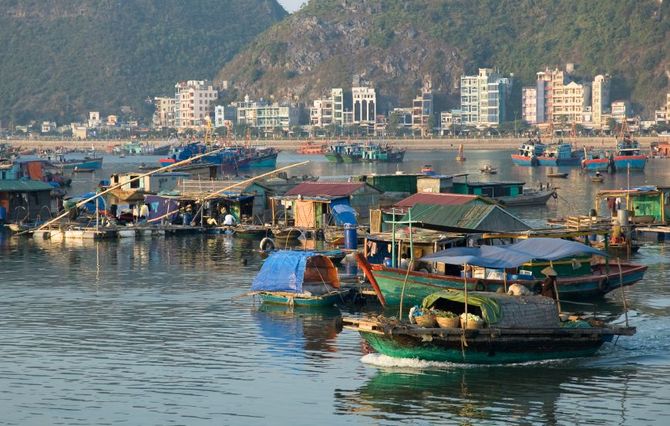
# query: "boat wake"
{"type": "Point", "coordinates": [387, 362]}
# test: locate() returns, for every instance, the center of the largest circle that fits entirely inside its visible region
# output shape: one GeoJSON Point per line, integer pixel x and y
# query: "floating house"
{"type": "Point", "coordinates": [359, 195]}
{"type": "Point", "coordinates": [153, 184]}
{"type": "Point", "coordinates": [465, 218]}
{"type": "Point", "coordinates": [24, 200]}
{"type": "Point", "coordinates": [645, 205]}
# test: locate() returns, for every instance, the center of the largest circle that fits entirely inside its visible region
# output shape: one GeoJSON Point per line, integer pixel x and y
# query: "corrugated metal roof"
{"type": "Point", "coordinates": [480, 217]}
{"type": "Point", "coordinates": [24, 186]}
{"type": "Point", "coordinates": [437, 199]}
{"type": "Point", "coordinates": [330, 189]}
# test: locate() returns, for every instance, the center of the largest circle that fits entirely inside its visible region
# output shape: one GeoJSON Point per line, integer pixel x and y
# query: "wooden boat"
{"type": "Point", "coordinates": [597, 178]}
{"type": "Point", "coordinates": [82, 170]}
{"type": "Point", "coordinates": [251, 232]}
{"type": "Point", "coordinates": [488, 170]}
{"type": "Point", "coordinates": [577, 278]}
{"type": "Point", "coordinates": [512, 193]}
{"type": "Point", "coordinates": [557, 175]}
{"type": "Point", "coordinates": [529, 197]}
{"type": "Point", "coordinates": [516, 329]}
{"type": "Point", "coordinates": [284, 235]}
{"type": "Point", "coordinates": [298, 278]}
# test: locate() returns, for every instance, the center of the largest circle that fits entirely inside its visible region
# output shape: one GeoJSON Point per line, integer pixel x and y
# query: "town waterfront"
{"type": "Point", "coordinates": [154, 331]}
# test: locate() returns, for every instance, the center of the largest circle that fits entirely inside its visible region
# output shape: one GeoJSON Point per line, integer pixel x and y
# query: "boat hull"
{"type": "Point", "coordinates": [527, 200]}
{"type": "Point", "coordinates": [333, 157]}
{"type": "Point", "coordinates": [419, 285]}
{"type": "Point", "coordinates": [636, 162]}
{"type": "Point", "coordinates": [486, 346]}
{"type": "Point", "coordinates": [311, 301]}
{"type": "Point", "coordinates": [90, 164]}
{"type": "Point", "coordinates": [264, 161]}
{"type": "Point", "coordinates": [596, 164]}
{"type": "Point", "coordinates": [521, 160]}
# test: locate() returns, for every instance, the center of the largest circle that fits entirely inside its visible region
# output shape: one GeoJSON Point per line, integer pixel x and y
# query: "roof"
{"type": "Point", "coordinates": [473, 183]}
{"type": "Point", "coordinates": [24, 186]}
{"type": "Point", "coordinates": [330, 189]}
{"type": "Point", "coordinates": [479, 217]}
{"type": "Point", "coordinates": [438, 199]}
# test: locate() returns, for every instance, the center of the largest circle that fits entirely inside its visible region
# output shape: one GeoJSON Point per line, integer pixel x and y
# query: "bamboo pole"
{"type": "Point", "coordinates": [623, 292]}
{"type": "Point", "coordinates": [213, 194]}
{"type": "Point", "coordinates": [118, 185]}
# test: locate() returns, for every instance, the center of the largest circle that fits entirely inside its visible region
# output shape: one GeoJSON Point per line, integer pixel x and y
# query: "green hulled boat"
{"type": "Point", "coordinates": [515, 329]}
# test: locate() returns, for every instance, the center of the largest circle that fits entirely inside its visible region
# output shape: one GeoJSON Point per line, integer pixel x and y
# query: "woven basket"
{"type": "Point", "coordinates": [445, 322]}
{"type": "Point", "coordinates": [426, 320]}
{"type": "Point", "coordinates": [472, 324]}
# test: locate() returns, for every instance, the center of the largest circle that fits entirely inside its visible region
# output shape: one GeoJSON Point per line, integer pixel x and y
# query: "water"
{"type": "Point", "coordinates": [155, 332]}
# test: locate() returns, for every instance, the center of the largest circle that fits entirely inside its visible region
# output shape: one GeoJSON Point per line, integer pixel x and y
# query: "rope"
{"type": "Point", "coordinates": [402, 293]}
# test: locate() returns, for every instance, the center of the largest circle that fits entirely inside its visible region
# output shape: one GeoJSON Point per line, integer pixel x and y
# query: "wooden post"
{"type": "Point", "coordinates": [623, 292]}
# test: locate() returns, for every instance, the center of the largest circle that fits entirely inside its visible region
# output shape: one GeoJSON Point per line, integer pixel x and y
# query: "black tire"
{"type": "Point", "coordinates": [267, 244]}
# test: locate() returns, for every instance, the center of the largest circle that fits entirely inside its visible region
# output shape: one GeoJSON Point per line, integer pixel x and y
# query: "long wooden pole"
{"type": "Point", "coordinates": [120, 184]}
{"type": "Point", "coordinates": [234, 185]}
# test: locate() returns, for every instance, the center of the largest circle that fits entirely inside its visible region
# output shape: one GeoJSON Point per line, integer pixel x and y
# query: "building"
{"type": "Point", "coordinates": [422, 108]}
{"type": "Point", "coordinates": [359, 195]}
{"type": "Point", "coordinates": [48, 127]}
{"type": "Point", "coordinates": [451, 121]}
{"type": "Point", "coordinates": [364, 106]}
{"type": "Point", "coordinates": [112, 120]}
{"type": "Point", "coordinates": [164, 114]}
{"type": "Point", "coordinates": [620, 110]}
{"type": "Point", "coordinates": [662, 116]}
{"type": "Point", "coordinates": [600, 99]}
{"type": "Point", "coordinates": [224, 116]}
{"type": "Point", "coordinates": [194, 100]}
{"type": "Point", "coordinates": [26, 199]}
{"type": "Point", "coordinates": [483, 98]}
{"type": "Point", "coordinates": [529, 105]}
{"type": "Point", "coordinates": [93, 119]}
{"type": "Point", "coordinates": [559, 99]}
{"type": "Point", "coordinates": [404, 117]}
{"type": "Point", "coordinates": [78, 131]}
{"type": "Point", "coordinates": [266, 117]}
{"type": "Point", "coordinates": [321, 113]}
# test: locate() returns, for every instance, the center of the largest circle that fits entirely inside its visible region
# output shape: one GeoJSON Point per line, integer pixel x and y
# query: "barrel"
{"type": "Point", "coordinates": [350, 237]}
{"type": "Point", "coordinates": [622, 217]}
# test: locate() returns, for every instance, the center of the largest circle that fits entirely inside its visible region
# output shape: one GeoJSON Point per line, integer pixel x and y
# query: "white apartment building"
{"type": "Point", "coordinates": [529, 105]}
{"type": "Point", "coordinates": [164, 112]}
{"type": "Point", "coordinates": [93, 119]}
{"type": "Point", "coordinates": [364, 106]}
{"type": "Point", "coordinates": [194, 100]}
{"type": "Point", "coordinates": [329, 110]}
{"type": "Point", "coordinates": [600, 99]}
{"type": "Point", "coordinates": [620, 110]}
{"type": "Point", "coordinates": [662, 116]}
{"type": "Point", "coordinates": [449, 119]}
{"type": "Point", "coordinates": [264, 116]}
{"type": "Point", "coordinates": [483, 98]}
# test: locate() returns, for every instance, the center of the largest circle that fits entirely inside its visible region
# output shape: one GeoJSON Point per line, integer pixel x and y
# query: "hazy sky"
{"type": "Point", "coordinates": [291, 5]}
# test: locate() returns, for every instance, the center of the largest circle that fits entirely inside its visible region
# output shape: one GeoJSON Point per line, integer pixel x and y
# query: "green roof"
{"type": "Point", "coordinates": [466, 217]}
{"type": "Point", "coordinates": [24, 186]}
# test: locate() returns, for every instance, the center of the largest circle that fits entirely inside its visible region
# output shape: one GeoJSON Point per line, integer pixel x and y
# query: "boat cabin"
{"type": "Point", "coordinates": [489, 189]}
{"type": "Point", "coordinates": [645, 205]}
{"type": "Point", "coordinates": [154, 184]}
{"type": "Point", "coordinates": [27, 200]}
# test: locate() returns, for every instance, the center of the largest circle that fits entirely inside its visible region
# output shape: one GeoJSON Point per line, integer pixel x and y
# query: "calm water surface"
{"type": "Point", "coordinates": [154, 332]}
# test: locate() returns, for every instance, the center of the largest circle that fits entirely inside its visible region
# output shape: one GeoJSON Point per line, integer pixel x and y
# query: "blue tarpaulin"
{"type": "Point", "coordinates": [343, 213]}
{"type": "Point", "coordinates": [282, 271]}
{"type": "Point", "coordinates": [513, 255]}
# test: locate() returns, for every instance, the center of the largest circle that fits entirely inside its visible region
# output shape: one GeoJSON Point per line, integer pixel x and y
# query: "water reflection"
{"type": "Point", "coordinates": [541, 394]}
{"type": "Point", "coordinates": [298, 331]}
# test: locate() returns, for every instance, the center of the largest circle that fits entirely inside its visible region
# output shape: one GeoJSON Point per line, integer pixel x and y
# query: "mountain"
{"type": "Point", "coordinates": [395, 43]}
{"type": "Point", "coordinates": [62, 58]}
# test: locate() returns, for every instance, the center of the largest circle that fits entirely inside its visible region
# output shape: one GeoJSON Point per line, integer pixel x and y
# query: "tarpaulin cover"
{"type": "Point", "coordinates": [287, 270]}
{"type": "Point", "coordinates": [491, 311]}
{"type": "Point", "coordinates": [343, 213]}
{"type": "Point", "coordinates": [90, 206]}
{"type": "Point", "coordinates": [161, 206]}
{"type": "Point", "coordinates": [513, 255]}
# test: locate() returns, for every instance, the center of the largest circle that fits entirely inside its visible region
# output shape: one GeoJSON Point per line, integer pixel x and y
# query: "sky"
{"type": "Point", "coordinates": [291, 5]}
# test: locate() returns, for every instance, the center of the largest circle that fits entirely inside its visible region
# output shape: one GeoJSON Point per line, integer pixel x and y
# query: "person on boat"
{"type": "Point", "coordinates": [229, 220]}
{"type": "Point", "coordinates": [404, 261]}
{"type": "Point", "coordinates": [144, 212]}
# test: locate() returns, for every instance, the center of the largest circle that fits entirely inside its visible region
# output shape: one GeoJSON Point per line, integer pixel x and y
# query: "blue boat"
{"type": "Point", "coordinates": [298, 278]}
{"type": "Point", "coordinates": [529, 153]}
{"type": "Point", "coordinates": [628, 155]}
{"type": "Point", "coordinates": [598, 161]}
{"type": "Point", "coordinates": [87, 163]}
{"type": "Point", "coordinates": [560, 154]}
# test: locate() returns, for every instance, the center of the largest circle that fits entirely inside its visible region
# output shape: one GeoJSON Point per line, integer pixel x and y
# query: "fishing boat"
{"type": "Point", "coordinates": [560, 154]}
{"type": "Point", "coordinates": [460, 155]}
{"type": "Point", "coordinates": [557, 175]}
{"type": "Point", "coordinates": [507, 193]}
{"type": "Point", "coordinates": [311, 148]}
{"type": "Point", "coordinates": [251, 232]}
{"type": "Point", "coordinates": [512, 329]}
{"type": "Point", "coordinates": [286, 235]}
{"type": "Point", "coordinates": [352, 153]}
{"type": "Point", "coordinates": [488, 170]}
{"type": "Point", "coordinates": [229, 160]}
{"type": "Point", "coordinates": [528, 153]}
{"type": "Point", "coordinates": [298, 278]}
{"type": "Point", "coordinates": [376, 153]}
{"type": "Point", "coordinates": [333, 153]}
{"type": "Point", "coordinates": [489, 270]}
{"type": "Point", "coordinates": [597, 160]}
{"type": "Point", "coordinates": [628, 155]}
{"type": "Point", "coordinates": [92, 163]}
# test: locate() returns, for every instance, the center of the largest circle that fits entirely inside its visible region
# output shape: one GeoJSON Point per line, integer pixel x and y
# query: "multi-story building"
{"type": "Point", "coordinates": [450, 121]}
{"type": "Point", "coordinates": [422, 107]}
{"type": "Point", "coordinates": [662, 116]}
{"type": "Point", "coordinates": [364, 106]}
{"type": "Point", "coordinates": [224, 116]}
{"type": "Point", "coordinates": [93, 119]}
{"type": "Point", "coordinates": [620, 110]}
{"type": "Point", "coordinates": [329, 110]}
{"type": "Point", "coordinates": [194, 100]}
{"type": "Point", "coordinates": [164, 112]}
{"type": "Point", "coordinates": [559, 99]}
{"type": "Point", "coordinates": [265, 116]}
{"type": "Point", "coordinates": [483, 98]}
{"type": "Point", "coordinates": [529, 105]}
{"type": "Point", "coordinates": [600, 99]}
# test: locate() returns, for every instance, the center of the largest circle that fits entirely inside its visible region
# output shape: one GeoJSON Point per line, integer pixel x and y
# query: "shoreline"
{"type": "Point", "coordinates": [411, 144]}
